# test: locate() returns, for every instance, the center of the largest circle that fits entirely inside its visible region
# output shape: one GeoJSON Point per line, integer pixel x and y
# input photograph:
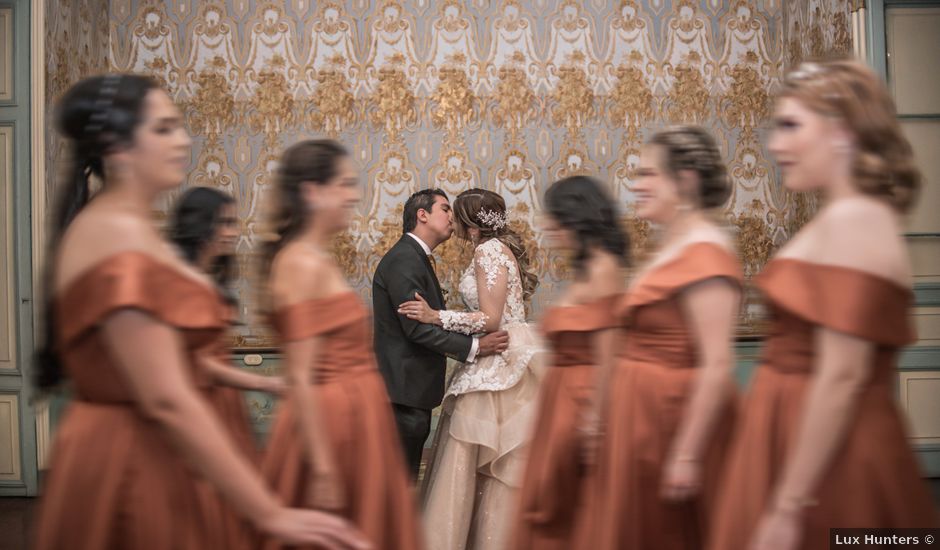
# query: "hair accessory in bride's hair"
{"type": "Point", "coordinates": [492, 218]}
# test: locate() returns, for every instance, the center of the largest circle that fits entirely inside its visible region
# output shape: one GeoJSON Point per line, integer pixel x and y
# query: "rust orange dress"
{"type": "Point", "coordinates": [554, 493]}
{"type": "Point", "coordinates": [358, 417]}
{"type": "Point", "coordinates": [649, 392]}
{"type": "Point", "coordinates": [874, 479]}
{"type": "Point", "coordinates": [229, 405]}
{"type": "Point", "coordinates": [115, 479]}
{"type": "Point", "coordinates": [229, 402]}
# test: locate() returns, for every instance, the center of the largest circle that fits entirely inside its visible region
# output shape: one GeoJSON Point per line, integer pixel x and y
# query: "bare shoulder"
{"type": "Point", "coordinates": [865, 234]}
{"type": "Point", "coordinates": [96, 235]}
{"type": "Point", "coordinates": [299, 274]}
{"type": "Point", "coordinates": [605, 275]}
{"type": "Point", "coordinates": [122, 229]}
{"type": "Point", "coordinates": [712, 233]}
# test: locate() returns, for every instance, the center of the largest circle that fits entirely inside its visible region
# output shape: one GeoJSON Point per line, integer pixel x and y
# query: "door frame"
{"type": "Point", "coordinates": [38, 186]}
{"type": "Point", "coordinates": [18, 117]}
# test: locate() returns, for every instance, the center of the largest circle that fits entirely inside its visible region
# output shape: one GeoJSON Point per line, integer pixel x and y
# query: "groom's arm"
{"type": "Point", "coordinates": [402, 282]}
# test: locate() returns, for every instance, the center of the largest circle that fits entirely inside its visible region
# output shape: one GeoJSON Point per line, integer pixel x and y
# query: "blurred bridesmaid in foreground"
{"type": "Point", "coordinates": [334, 444]}
{"type": "Point", "coordinates": [204, 228]}
{"type": "Point", "coordinates": [821, 443]}
{"type": "Point", "coordinates": [581, 219]}
{"type": "Point", "coordinates": [667, 408]}
{"type": "Point", "coordinates": [138, 443]}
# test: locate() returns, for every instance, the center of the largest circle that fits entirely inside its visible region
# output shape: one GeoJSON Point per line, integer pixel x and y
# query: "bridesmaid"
{"type": "Point", "coordinates": [821, 442]}
{"type": "Point", "coordinates": [581, 219]}
{"type": "Point", "coordinates": [125, 318]}
{"type": "Point", "coordinates": [668, 406]}
{"type": "Point", "coordinates": [334, 444]}
{"type": "Point", "coordinates": [204, 228]}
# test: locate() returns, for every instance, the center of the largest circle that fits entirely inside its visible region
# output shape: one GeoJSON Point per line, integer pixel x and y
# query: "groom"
{"type": "Point", "coordinates": [412, 356]}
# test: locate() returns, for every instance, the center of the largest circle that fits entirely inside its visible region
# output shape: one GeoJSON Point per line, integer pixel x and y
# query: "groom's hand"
{"type": "Point", "coordinates": [493, 343]}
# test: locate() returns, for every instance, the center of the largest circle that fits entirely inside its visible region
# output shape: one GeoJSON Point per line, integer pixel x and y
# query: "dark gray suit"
{"type": "Point", "coordinates": [412, 356]}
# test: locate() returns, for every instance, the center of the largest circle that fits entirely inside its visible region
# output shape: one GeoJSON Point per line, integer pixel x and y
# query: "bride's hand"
{"type": "Point", "coordinates": [419, 310]}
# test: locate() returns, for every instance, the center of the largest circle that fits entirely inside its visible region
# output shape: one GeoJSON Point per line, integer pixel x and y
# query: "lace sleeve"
{"type": "Point", "coordinates": [493, 261]}
{"type": "Point", "coordinates": [492, 266]}
{"type": "Point", "coordinates": [463, 322]}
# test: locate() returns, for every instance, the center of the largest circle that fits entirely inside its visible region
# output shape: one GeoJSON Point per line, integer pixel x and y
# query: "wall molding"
{"type": "Point", "coordinates": [929, 457]}
{"type": "Point", "coordinates": [927, 294]}
{"type": "Point", "coordinates": [917, 358]}
{"type": "Point", "coordinates": [6, 64]}
{"type": "Point", "coordinates": [10, 466]}
{"type": "Point", "coordinates": [37, 120]}
{"type": "Point", "coordinates": [8, 348]}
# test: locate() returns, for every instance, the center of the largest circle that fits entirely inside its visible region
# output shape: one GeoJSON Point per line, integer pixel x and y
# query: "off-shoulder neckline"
{"type": "Point", "coordinates": [88, 273]}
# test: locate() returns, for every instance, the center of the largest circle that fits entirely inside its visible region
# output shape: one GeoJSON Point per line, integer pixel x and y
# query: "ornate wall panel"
{"type": "Point", "coordinates": [503, 94]}
{"type": "Point", "coordinates": [817, 29]}
{"type": "Point", "coordinates": [76, 46]}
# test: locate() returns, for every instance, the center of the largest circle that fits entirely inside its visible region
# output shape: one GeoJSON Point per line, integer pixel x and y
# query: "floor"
{"type": "Point", "coordinates": [16, 515]}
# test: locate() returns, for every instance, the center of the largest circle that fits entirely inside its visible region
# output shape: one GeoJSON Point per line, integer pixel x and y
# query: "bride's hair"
{"type": "Point", "coordinates": [486, 211]}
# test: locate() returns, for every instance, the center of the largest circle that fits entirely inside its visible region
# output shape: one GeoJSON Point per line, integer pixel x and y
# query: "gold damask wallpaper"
{"type": "Point", "coordinates": [503, 94]}
{"type": "Point", "coordinates": [818, 29]}
{"type": "Point", "coordinates": [76, 44]}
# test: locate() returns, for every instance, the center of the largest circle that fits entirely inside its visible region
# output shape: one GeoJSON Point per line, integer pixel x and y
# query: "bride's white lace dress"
{"type": "Point", "coordinates": [488, 412]}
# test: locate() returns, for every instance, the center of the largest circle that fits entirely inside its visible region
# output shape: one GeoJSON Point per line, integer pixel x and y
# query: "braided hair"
{"type": "Point", "coordinates": [693, 148]}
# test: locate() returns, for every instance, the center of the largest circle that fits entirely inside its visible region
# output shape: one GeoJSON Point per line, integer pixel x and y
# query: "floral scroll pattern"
{"type": "Point", "coordinates": [506, 95]}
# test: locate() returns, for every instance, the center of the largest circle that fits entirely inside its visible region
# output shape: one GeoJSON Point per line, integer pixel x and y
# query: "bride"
{"type": "Point", "coordinates": [489, 404]}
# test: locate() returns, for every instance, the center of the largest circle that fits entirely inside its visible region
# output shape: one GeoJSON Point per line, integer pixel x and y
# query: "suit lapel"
{"type": "Point", "coordinates": [427, 265]}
